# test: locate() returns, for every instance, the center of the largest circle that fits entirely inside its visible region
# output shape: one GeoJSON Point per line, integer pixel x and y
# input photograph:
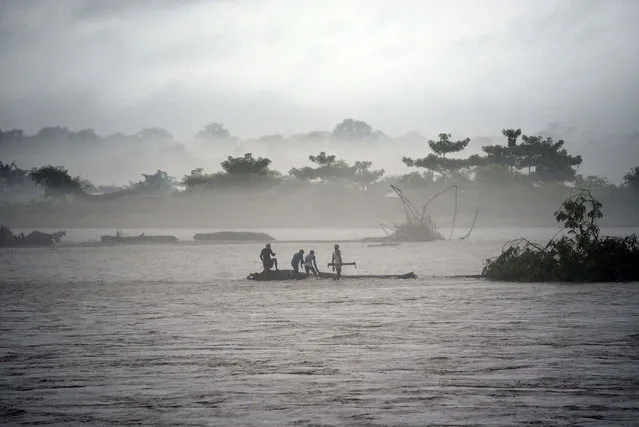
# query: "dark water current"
{"type": "Point", "coordinates": [173, 335]}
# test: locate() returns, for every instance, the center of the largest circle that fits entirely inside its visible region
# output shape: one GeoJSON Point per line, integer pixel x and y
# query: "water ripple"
{"type": "Point", "coordinates": [217, 351]}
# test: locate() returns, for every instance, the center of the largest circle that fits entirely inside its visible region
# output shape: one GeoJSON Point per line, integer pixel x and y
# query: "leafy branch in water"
{"type": "Point", "coordinates": [580, 255]}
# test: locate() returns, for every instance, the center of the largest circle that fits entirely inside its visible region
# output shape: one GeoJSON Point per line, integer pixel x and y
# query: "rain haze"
{"type": "Point", "coordinates": [284, 68]}
{"type": "Point", "coordinates": [269, 212]}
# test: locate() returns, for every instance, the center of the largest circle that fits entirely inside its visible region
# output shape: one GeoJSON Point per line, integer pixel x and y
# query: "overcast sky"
{"type": "Point", "coordinates": [264, 67]}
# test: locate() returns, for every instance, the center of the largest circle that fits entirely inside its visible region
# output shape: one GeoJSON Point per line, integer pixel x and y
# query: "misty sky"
{"type": "Point", "coordinates": [264, 67]}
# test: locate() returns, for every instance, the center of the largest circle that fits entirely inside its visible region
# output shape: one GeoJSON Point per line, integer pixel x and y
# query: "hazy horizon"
{"type": "Point", "coordinates": [280, 67]}
{"type": "Point", "coordinates": [274, 67]}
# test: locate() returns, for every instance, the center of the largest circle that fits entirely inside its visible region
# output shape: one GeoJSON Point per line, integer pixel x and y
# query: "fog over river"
{"type": "Point", "coordinates": [174, 335]}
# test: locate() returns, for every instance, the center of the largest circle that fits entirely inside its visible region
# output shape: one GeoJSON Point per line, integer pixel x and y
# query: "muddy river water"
{"type": "Point", "coordinates": [174, 335]}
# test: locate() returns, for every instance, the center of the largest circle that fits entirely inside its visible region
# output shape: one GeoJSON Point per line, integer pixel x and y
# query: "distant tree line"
{"type": "Point", "coordinates": [348, 129]}
{"type": "Point", "coordinates": [521, 159]}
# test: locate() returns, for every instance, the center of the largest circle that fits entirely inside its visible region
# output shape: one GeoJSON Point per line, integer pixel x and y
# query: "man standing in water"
{"type": "Point", "coordinates": [337, 262]}
{"type": "Point", "coordinates": [310, 263]}
{"type": "Point", "coordinates": [297, 262]}
{"type": "Point", "coordinates": [267, 261]}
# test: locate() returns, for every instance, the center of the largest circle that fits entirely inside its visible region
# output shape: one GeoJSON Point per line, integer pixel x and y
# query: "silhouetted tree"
{"type": "Point", "coordinates": [52, 133]}
{"type": "Point", "coordinates": [438, 162]}
{"type": "Point", "coordinates": [504, 155]}
{"type": "Point", "coordinates": [12, 177]}
{"type": "Point", "coordinates": [328, 168]}
{"type": "Point", "coordinates": [416, 179]}
{"type": "Point", "coordinates": [154, 134]}
{"type": "Point", "coordinates": [10, 136]}
{"type": "Point", "coordinates": [318, 136]}
{"type": "Point", "coordinates": [197, 179]}
{"type": "Point", "coordinates": [445, 146]}
{"type": "Point", "coordinates": [157, 183]}
{"type": "Point", "coordinates": [213, 131]}
{"type": "Point", "coordinates": [550, 160]}
{"type": "Point", "coordinates": [84, 135]}
{"type": "Point", "coordinates": [363, 176]}
{"type": "Point", "coordinates": [631, 179]}
{"type": "Point", "coordinates": [544, 159]}
{"type": "Point", "coordinates": [56, 181]}
{"type": "Point", "coordinates": [496, 175]}
{"type": "Point", "coordinates": [246, 165]}
{"type": "Point", "coordinates": [354, 130]}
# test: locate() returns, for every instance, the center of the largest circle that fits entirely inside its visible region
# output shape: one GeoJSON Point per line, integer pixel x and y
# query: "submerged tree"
{"type": "Point", "coordinates": [580, 255]}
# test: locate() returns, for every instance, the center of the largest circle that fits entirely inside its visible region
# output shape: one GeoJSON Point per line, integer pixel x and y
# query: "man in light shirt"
{"type": "Point", "coordinates": [337, 262]}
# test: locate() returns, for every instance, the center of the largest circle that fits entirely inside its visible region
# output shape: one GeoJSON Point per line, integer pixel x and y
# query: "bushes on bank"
{"type": "Point", "coordinates": [578, 255]}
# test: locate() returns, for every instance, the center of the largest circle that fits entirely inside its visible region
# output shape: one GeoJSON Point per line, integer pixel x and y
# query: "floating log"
{"type": "Point", "coordinates": [330, 264]}
{"type": "Point", "coordinates": [282, 275]}
{"type": "Point", "coordinates": [234, 236]}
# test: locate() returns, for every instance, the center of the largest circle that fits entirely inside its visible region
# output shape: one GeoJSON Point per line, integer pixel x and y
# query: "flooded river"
{"type": "Point", "coordinates": [174, 335]}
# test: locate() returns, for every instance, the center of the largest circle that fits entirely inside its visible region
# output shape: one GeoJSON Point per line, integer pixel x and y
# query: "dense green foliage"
{"type": "Point", "coordinates": [580, 255]}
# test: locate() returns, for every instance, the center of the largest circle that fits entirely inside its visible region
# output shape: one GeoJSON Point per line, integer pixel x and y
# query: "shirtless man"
{"type": "Point", "coordinates": [297, 262]}
{"type": "Point", "coordinates": [337, 262]}
{"type": "Point", "coordinates": [267, 261]}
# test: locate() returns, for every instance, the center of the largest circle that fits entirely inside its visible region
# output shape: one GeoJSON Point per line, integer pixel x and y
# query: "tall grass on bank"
{"type": "Point", "coordinates": [579, 255]}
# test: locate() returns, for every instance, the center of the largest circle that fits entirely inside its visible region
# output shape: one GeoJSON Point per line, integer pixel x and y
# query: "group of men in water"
{"type": "Point", "coordinates": [308, 262]}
